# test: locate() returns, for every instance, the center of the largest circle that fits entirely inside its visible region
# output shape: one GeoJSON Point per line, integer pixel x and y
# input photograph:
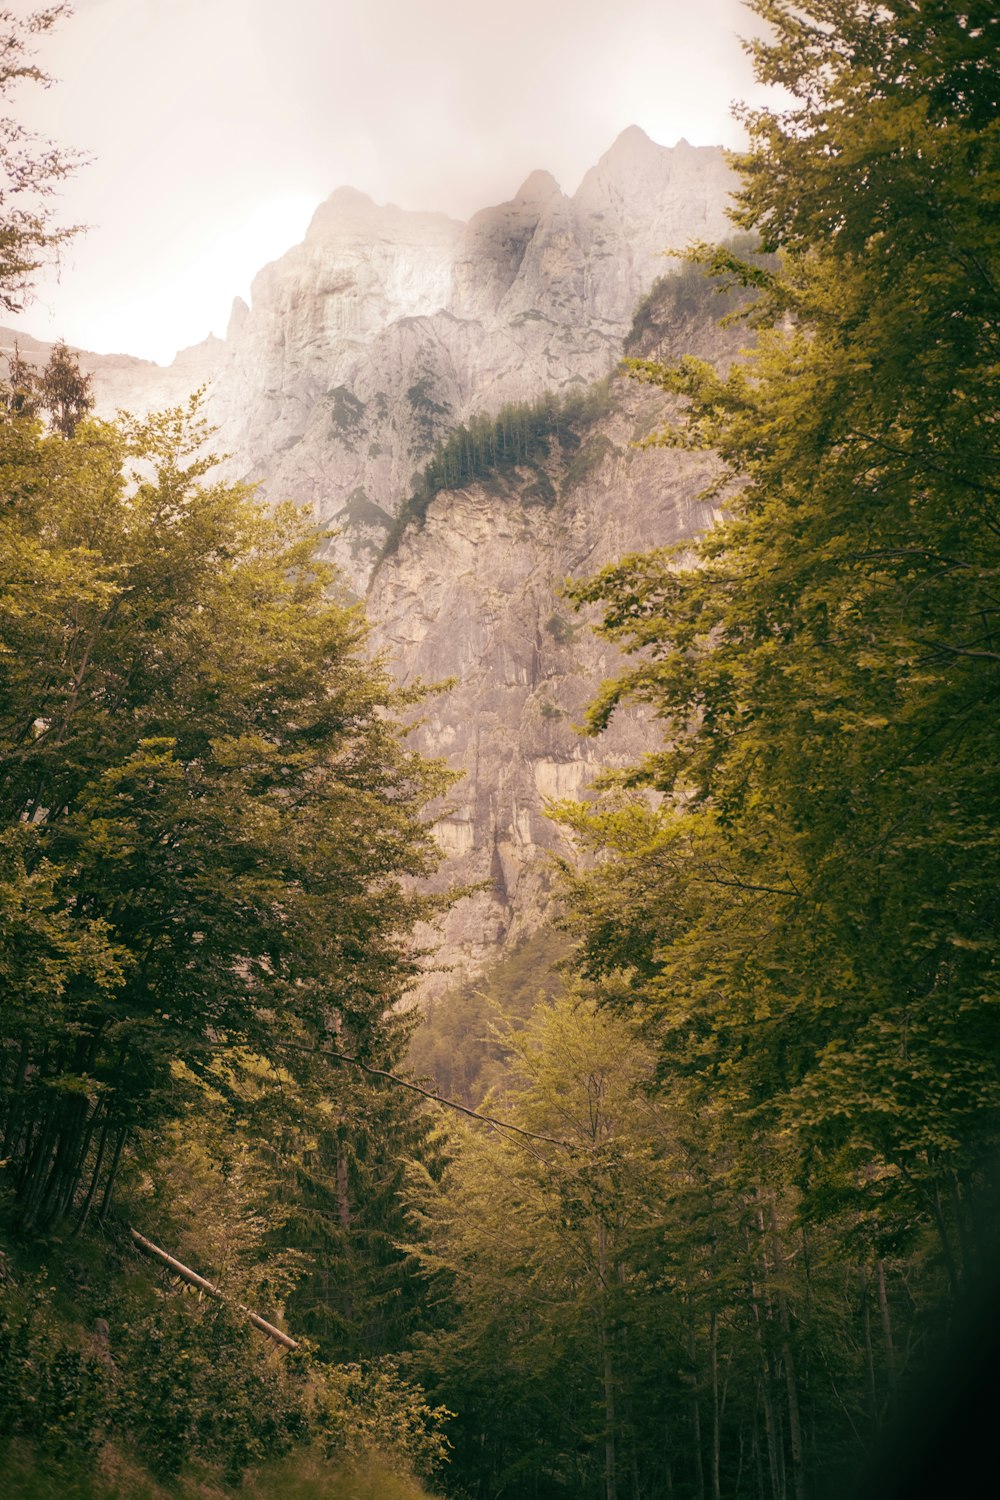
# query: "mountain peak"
{"type": "Point", "coordinates": [344, 203]}
{"type": "Point", "coordinates": [237, 318]}
{"type": "Point", "coordinates": [633, 138]}
{"type": "Point", "coordinates": [351, 212]}
{"type": "Point", "coordinates": [538, 187]}
{"type": "Point", "coordinates": [350, 197]}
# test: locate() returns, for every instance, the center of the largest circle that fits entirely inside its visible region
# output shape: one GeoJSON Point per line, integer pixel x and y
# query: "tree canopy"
{"type": "Point", "coordinates": [208, 812]}
{"type": "Point", "coordinates": [813, 907]}
{"type": "Point", "coordinates": [752, 1164]}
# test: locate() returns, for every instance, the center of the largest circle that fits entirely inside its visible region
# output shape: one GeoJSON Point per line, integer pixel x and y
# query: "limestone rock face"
{"type": "Point", "coordinates": [474, 595]}
{"type": "Point", "coordinates": [366, 344]}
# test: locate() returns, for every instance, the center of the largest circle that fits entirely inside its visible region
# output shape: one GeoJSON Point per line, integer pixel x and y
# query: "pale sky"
{"type": "Point", "coordinates": [216, 126]}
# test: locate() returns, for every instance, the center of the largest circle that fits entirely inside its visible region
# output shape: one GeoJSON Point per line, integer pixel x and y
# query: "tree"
{"type": "Point", "coordinates": [61, 389]}
{"type": "Point", "coordinates": [825, 868]}
{"type": "Point", "coordinates": [20, 394]}
{"type": "Point", "coordinates": [64, 390]}
{"type": "Point", "coordinates": [208, 813]}
{"type": "Point", "coordinates": [804, 915]}
{"type": "Point", "coordinates": [535, 1248]}
{"type": "Point", "coordinates": [30, 167]}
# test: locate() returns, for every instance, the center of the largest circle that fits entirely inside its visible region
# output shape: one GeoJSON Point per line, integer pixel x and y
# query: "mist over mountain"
{"type": "Point", "coordinates": [366, 344]}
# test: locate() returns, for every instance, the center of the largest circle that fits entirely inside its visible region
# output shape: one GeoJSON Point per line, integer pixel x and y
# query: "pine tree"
{"type": "Point", "coordinates": [63, 390]}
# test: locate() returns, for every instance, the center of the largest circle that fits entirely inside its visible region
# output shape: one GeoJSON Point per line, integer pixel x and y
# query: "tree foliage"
{"type": "Point", "coordinates": [814, 905]}
{"type": "Point", "coordinates": [802, 918]}
{"type": "Point", "coordinates": [208, 814]}
{"type": "Point", "coordinates": [30, 168]}
{"type": "Point", "coordinates": [60, 389]}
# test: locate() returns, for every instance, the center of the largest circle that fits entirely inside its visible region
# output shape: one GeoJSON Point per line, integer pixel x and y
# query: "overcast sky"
{"type": "Point", "coordinates": [216, 126]}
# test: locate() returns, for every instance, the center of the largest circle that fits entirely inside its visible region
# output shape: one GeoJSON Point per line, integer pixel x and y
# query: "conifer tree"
{"type": "Point", "coordinates": [63, 390]}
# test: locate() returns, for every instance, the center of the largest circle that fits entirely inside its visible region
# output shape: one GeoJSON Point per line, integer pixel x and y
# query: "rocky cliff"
{"type": "Point", "coordinates": [362, 348]}
{"type": "Point", "coordinates": [474, 594]}
{"type": "Point", "coordinates": [367, 343]}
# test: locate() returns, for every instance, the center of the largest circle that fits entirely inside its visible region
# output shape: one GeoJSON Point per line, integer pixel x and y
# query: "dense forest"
{"type": "Point", "coordinates": [713, 1212]}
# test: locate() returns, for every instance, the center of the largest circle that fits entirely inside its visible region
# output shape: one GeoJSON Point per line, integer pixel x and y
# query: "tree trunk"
{"type": "Point", "coordinates": [95, 1175]}
{"type": "Point", "coordinates": [866, 1324]}
{"type": "Point", "coordinates": [946, 1250]}
{"type": "Point", "coordinates": [788, 1361]}
{"type": "Point", "coordinates": [610, 1479]}
{"type": "Point", "coordinates": [770, 1426]}
{"type": "Point", "coordinates": [713, 1357]}
{"type": "Point", "coordinates": [758, 1462]}
{"type": "Point", "coordinates": [699, 1465]}
{"type": "Point", "coordinates": [12, 1122]}
{"type": "Point", "coordinates": [193, 1279]}
{"type": "Point", "coordinates": [109, 1186]}
{"type": "Point", "coordinates": [883, 1307]}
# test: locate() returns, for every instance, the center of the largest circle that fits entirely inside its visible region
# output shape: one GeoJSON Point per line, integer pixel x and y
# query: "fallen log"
{"type": "Point", "coordinates": [194, 1279]}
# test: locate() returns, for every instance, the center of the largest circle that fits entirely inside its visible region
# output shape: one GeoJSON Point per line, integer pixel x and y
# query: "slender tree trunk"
{"type": "Point", "coordinates": [699, 1466]}
{"type": "Point", "coordinates": [713, 1358]}
{"type": "Point", "coordinates": [758, 1461]}
{"type": "Point", "coordinates": [73, 1174]}
{"type": "Point", "coordinates": [88, 1202]}
{"type": "Point", "coordinates": [866, 1324]}
{"type": "Point", "coordinates": [610, 1478]}
{"type": "Point", "coordinates": [883, 1307]}
{"type": "Point", "coordinates": [15, 1107]}
{"type": "Point", "coordinates": [668, 1468]}
{"type": "Point", "coordinates": [739, 1464]}
{"type": "Point", "coordinates": [965, 1241]}
{"type": "Point", "coordinates": [109, 1186]}
{"type": "Point", "coordinates": [770, 1426]}
{"type": "Point", "coordinates": [946, 1250]}
{"type": "Point", "coordinates": [35, 1175]}
{"type": "Point", "coordinates": [345, 1219]}
{"type": "Point", "coordinates": [788, 1361]}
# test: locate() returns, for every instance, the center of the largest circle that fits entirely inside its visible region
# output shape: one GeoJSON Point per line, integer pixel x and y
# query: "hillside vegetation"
{"type": "Point", "coordinates": [520, 439]}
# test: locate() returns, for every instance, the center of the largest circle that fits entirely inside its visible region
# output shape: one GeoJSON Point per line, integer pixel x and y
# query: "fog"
{"type": "Point", "coordinates": [215, 126]}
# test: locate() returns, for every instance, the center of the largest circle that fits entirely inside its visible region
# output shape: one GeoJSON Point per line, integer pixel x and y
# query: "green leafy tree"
{"type": "Point", "coordinates": [20, 390]}
{"type": "Point", "coordinates": [30, 168]}
{"type": "Point", "coordinates": [815, 903]}
{"type": "Point", "coordinates": [803, 916]}
{"type": "Point", "coordinates": [210, 812]}
{"type": "Point", "coordinates": [534, 1246]}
